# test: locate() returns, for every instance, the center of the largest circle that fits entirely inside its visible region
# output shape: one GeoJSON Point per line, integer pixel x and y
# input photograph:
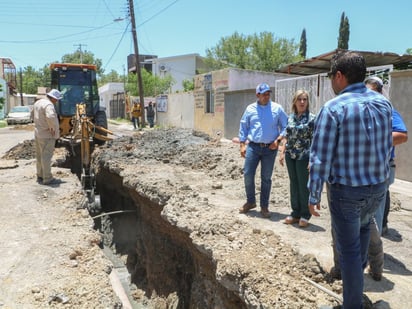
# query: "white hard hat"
{"type": "Point", "coordinates": [55, 94]}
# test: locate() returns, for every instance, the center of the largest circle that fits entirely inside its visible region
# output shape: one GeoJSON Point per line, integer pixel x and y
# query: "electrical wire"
{"type": "Point", "coordinates": [56, 38]}
{"type": "Point", "coordinates": [118, 44]}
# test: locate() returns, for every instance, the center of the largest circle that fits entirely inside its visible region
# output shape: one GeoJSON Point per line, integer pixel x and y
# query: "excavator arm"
{"type": "Point", "coordinates": [85, 131]}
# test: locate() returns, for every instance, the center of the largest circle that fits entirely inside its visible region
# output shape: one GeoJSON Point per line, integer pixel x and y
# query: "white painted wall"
{"type": "Point", "coordinates": [106, 93]}
{"type": "Point", "coordinates": [180, 111]}
{"type": "Point", "coordinates": [179, 67]}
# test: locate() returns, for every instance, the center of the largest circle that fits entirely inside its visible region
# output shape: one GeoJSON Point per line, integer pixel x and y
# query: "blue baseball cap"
{"type": "Point", "coordinates": [262, 88]}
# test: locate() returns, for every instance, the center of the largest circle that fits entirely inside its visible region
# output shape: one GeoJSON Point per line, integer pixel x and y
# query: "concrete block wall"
{"type": "Point", "coordinates": [400, 94]}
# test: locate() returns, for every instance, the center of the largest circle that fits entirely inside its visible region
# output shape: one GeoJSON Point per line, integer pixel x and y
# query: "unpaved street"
{"type": "Point", "coordinates": [50, 254]}
{"type": "Point", "coordinates": [192, 188]}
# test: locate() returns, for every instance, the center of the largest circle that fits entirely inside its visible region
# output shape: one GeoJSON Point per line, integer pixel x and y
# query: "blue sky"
{"type": "Point", "coordinates": [35, 33]}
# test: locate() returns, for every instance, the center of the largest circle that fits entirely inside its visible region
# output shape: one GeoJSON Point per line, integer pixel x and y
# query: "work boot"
{"type": "Point", "coordinates": [375, 276]}
{"type": "Point", "coordinates": [53, 181]}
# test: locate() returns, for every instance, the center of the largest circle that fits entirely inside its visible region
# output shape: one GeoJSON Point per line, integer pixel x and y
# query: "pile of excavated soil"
{"type": "Point", "coordinates": [22, 151]}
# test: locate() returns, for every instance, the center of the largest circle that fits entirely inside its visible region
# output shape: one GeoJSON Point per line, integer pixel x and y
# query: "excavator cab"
{"type": "Point", "coordinates": [78, 85]}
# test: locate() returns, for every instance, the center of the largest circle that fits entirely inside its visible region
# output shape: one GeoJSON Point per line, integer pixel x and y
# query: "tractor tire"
{"type": "Point", "coordinates": [100, 119]}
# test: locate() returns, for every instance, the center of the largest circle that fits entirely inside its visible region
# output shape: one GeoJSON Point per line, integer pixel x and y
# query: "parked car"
{"type": "Point", "coordinates": [19, 115]}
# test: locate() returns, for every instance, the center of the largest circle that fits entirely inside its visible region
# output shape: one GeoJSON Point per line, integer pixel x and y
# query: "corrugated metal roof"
{"type": "Point", "coordinates": [321, 63]}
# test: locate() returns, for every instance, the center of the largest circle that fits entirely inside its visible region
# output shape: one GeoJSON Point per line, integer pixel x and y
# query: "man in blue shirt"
{"type": "Point", "coordinates": [350, 151]}
{"type": "Point", "coordinates": [261, 126]}
{"type": "Point", "coordinates": [399, 136]}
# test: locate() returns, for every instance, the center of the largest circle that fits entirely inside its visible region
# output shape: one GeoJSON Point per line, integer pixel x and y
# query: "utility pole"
{"type": "Point", "coordinates": [136, 54]}
{"type": "Point", "coordinates": [80, 50]}
{"type": "Point", "coordinates": [21, 87]}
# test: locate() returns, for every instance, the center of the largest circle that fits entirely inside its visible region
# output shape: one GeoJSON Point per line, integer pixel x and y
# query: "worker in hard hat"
{"type": "Point", "coordinates": [136, 114]}
{"type": "Point", "coordinates": [46, 132]}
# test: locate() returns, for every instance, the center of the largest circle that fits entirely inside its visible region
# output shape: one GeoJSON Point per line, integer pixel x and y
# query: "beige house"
{"type": "Point", "coordinates": [220, 98]}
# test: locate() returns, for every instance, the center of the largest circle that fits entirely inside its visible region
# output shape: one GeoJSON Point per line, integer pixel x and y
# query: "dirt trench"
{"type": "Point", "coordinates": [161, 259]}
{"type": "Point", "coordinates": [163, 262]}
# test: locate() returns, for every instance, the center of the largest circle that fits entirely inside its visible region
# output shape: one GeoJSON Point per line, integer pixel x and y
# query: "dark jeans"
{"type": "Point", "coordinates": [388, 195]}
{"type": "Point", "coordinates": [299, 193]}
{"type": "Point", "coordinates": [150, 120]}
{"type": "Point", "coordinates": [352, 209]}
{"type": "Point", "coordinates": [136, 122]}
{"type": "Point", "coordinates": [266, 157]}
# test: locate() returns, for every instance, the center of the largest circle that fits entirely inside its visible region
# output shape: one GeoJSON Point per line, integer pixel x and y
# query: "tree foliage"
{"type": "Point", "coordinates": [302, 45]}
{"type": "Point", "coordinates": [152, 85]}
{"type": "Point", "coordinates": [84, 57]}
{"type": "Point", "coordinates": [409, 51]}
{"type": "Point", "coordinates": [111, 77]}
{"type": "Point", "coordinates": [343, 40]}
{"type": "Point", "coordinates": [32, 79]}
{"type": "Point", "coordinates": [261, 52]}
{"type": "Point", "coordinates": [188, 85]}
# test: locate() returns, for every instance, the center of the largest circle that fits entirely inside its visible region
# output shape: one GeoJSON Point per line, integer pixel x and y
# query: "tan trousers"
{"type": "Point", "coordinates": [44, 154]}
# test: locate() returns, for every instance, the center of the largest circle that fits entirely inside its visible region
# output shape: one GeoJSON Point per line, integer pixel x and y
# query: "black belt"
{"type": "Point", "coordinates": [263, 145]}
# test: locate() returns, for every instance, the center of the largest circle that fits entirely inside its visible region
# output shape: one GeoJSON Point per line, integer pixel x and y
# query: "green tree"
{"type": "Point", "coordinates": [112, 77]}
{"type": "Point", "coordinates": [188, 85]}
{"type": "Point", "coordinates": [343, 40]}
{"type": "Point", "coordinates": [32, 79]}
{"type": "Point", "coordinates": [260, 51]}
{"type": "Point", "coordinates": [85, 57]}
{"type": "Point", "coordinates": [302, 45]}
{"type": "Point", "coordinates": [231, 51]}
{"type": "Point", "coordinates": [409, 51]}
{"type": "Point", "coordinates": [152, 85]}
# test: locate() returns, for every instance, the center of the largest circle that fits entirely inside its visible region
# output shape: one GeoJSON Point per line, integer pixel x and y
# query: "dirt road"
{"type": "Point", "coordinates": [51, 257]}
{"type": "Point", "coordinates": [50, 254]}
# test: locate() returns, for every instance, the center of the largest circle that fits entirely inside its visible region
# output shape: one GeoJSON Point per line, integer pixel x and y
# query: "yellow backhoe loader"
{"type": "Point", "coordinates": [83, 121]}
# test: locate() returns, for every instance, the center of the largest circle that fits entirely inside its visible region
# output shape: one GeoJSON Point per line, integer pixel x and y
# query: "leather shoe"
{"type": "Point", "coordinates": [246, 207]}
{"type": "Point", "coordinates": [265, 213]}
{"type": "Point", "coordinates": [303, 222]}
{"type": "Point", "coordinates": [291, 220]}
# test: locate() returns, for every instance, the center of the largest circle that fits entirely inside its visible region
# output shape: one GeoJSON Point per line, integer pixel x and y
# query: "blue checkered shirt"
{"type": "Point", "coordinates": [352, 141]}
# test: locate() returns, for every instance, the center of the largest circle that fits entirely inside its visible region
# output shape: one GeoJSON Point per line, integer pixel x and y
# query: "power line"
{"type": "Point", "coordinates": [158, 13]}
{"type": "Point", "coordinates": [56, 38]}
{"type": "Point", "coordinates": [117, 47]}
